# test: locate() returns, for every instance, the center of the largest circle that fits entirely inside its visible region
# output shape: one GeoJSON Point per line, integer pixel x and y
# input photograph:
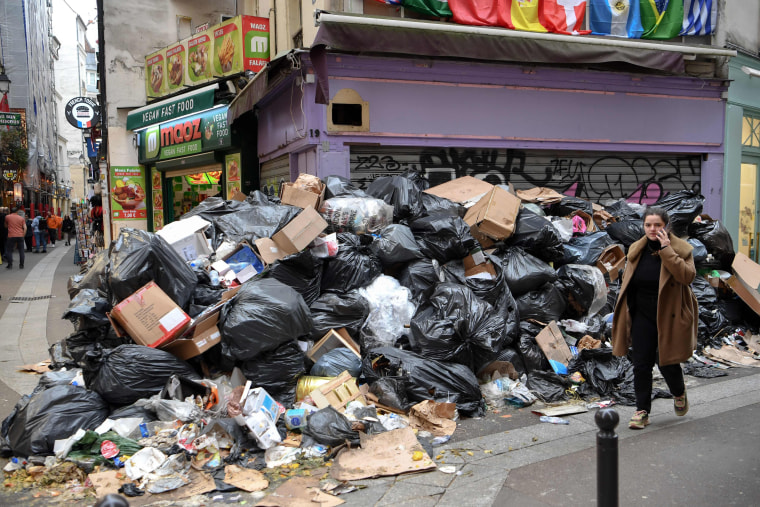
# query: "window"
{"type": "Point", "coordinates": [92, 79]}
{"type": "Point", "coordinates": [751, 131]}
{"type": "Point", "coordinates": [347, 112]}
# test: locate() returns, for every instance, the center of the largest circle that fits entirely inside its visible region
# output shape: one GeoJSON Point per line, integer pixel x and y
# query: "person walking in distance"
{"type": "Point", "coordinates": [40, 234]}
{"type": "Point", "coordinates": [29, 236]}
{"type": "Point", "coordinates": [656, 313]}
{"type": "Point", "coordinates": [52, 223]}
{"type": "Point", "coordinates": [68, 228]}
{"type": "Point", "coordinates": [16, 226]}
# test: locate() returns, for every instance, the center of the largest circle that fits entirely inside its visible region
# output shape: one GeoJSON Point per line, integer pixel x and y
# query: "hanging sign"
{"type": "Point", "coordinates": [82, 112]}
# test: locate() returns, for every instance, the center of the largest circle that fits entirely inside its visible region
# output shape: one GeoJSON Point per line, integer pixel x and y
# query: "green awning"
{"type": "Point", "coordinates": [165, 110]}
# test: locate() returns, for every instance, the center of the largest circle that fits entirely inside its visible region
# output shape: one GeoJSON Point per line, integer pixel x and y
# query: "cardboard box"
{"type": "Point", "coordinates": [244, 253]}
{"type": "Point", "coordinates": [613, 256]}
{"type": "Point", "coordinates": [150, 317]}
{"type": "Point", "coordinates": [292, 238]}
{"type": "Point", "coordinates": [553, 345]}
{"type": "Point", "coordinates": [495, 214]}
{"type": "Point", "coordinates": [465, 190]}
{"type": "Point", "coordinates": [187, 237]}
{"type": "Point", "coordinates": [745, 281]}
{"type": "Point", "coordinates": [333, 340]}
{"type": "Point", "coordinates": [202, 334]}
{"type": "Point", "coordinates": [478, 264]}
{"type": "Point", "coordinates": [587, 219]}
{"type": "Point", "coordinates": [295, 196]}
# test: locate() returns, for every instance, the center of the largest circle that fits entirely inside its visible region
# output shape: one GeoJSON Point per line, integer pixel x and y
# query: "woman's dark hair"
{"type": "Point", "coordinates": [657, 211]}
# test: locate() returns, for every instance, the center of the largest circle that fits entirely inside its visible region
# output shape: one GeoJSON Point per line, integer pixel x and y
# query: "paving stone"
{"type": "Point", "coordinates": [475, 491]}
{"type": "Point", "coordinates": [433, 478]}
{"type": "Point", "coordinates": [367, 496]}
{"type": "Point", "coordinates": [404, 491]}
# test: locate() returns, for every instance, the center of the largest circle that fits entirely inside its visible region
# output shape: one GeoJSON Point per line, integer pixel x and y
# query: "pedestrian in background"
{"type": "Point", "coordinates": [69, 228]}
{"type": "Point", "coordinates": [40, 234]}
{"type": "Point", "coordinates": [656, 313]}
{"type": "Point", "coordinates": [3, 229]}
{"type": "Point", "coordinates": [52, 223]}
{"type": "Point", "coordinates": [29, 236]}
{"type": "Point", "coordinates": [16, 226]}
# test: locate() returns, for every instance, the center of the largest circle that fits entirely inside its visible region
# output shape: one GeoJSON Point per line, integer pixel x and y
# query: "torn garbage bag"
{"type": "Point", "coordinates": [454, 325]}
{"type": "Point", "coordinates": [525, 272]}
{"type": "Point", "coordinates": [353, 267]}
{"type": "Point", "coordinates": [277, 371]}
{"type": "Point", "coordinates": [53, 414]}
{"type": "Point", "coordinates": [537, 236]}
{"type": "Point", "coordinates": [129, 372]}
{"type": "Point", "coordinates": [600, 369]}
{"type": "Point", "coordinates": [443, 237]}
{"type": "Point", "coordinates": [426, 378]}
{"type": "Point", "coordinates": [584, 288]}
{"type": "Point", "coordinates": [329, 427]}
{"type": "Point", "coordinates": [301, 271]}
{"type": "Point", "coordinates": [400, 192]}
{"type": "Point", "coordinates": [682, 207]}
{"type": "Point", "coordinates": [544, 305]}
{"type": "Point", "coordinates": [395, 244]}
{"type": "Point", "coordinates": [334, 311]}
{"type": "Point", "coordinates": [264, 314]}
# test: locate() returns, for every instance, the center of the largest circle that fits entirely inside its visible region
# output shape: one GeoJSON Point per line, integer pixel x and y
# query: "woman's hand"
{"type": "Point", "coordinates": [662, 235]}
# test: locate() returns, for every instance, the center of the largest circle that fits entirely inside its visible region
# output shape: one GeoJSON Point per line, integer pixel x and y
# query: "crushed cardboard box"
{"type": "Point", "coordinates": [292, 195]}
{"type": "Point", "coordinates": [746, 281]}
{"type": "Point", "coordinates": [465, 190]}
{"type": "Point", "coordinates": [554, 347]}
{"type": "Point", "coordinates": [292, 238]}
{"type": "Point", "coordinates": [187, 237]}
{"type": "Point", "coordinates": [495, 214]}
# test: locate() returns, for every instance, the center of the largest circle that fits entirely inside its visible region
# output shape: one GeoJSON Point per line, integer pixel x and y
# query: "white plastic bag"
{"type": "Point", "coordinates": [391, 310]}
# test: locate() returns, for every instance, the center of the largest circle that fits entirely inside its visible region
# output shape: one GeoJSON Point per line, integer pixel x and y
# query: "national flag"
{"type": "Point", "coordinates": [434, 8]}
{"type": "Point", "coordinates": [4, 106]}
{"type": "Point", "coordinates": [661, 19]}
{"type": "Point", "coordinates": [699, 17]}
{"type": "Point", "coordinates": [619, 18]}
{"type": "Point", "coordinates": [563, 16]}
{"type": "Point", "coordinates": [523, 15]}
{"type": "Point", "coordinates": [479, 12]}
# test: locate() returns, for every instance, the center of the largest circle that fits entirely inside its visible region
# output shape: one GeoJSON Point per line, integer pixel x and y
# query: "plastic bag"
{"type": "Point", "coordinates": [338, 186]}
{"type": "Point", "coordinates": [525, 272]}
{"type": "Point", "coordinates": [87, 309]}
{"type": "Point", "coordinates": [129, 372]}
{"type": "Point", "coordinates": [621, 210]}
{"type": "Point", "coordinates": [390, 311]}
{"type": "Point", "coordinates": [705, 293]}
{"type": "Point", "coordinates": [334, 311]}
{"type": "Point", "coordinates": [716, 239]}
{"type": "Point", "coordinates": [52, 414]}
{"type": "Point", "coordinates": [699, 251]}
{"type": "Point", "coordinates": [626, 232]}
{"type": "Point", "coordinates": [264, 314]}
{"type": "Point", "coordinates": [132, 411]}
{"type": "Point", "coordinates": [418, 276]}
{"type": "Point", "coordinates": [329, 427]}
{"type": "Point", "coordinates": [434, 205]}
{"type": "Point", "coordinates": [537, 236]}
{"type": "Point", "coordinates": [569, 204]}
{"type": "Point", "coordinates": [301, 271]}
{"type": "Point", "coordinates": [564, 227]}
{"type": "Point", "coordinates": [353, 267]}
{"type": "Point", "coordinates": [71, 351]}
{"type": "Point", "coordinates": [426, 379]}
{"type": "Point", "coordinates": [512, 356]}
{"type": "Point", "coordinates": [544, 305]}
{"type": "Point", "coordinates": [395, 244]}
{"type": "Point", "coordinates": [443, 237]}
{"type": "Point", "coordinates": [171, 410]}
{"type": "Point", "coordinates": [548, 386]}
{"type": "Point", "coordinates": [585, 249]}
{"type": "Point", "coordinates": [600, 368]}
{"type": "Point", "coordinates": [682, 207]}
{"type": "Point", "coordinates": [277, 371]}
{"type": "Point", "coordinates": [251, 222]}
{"type": "Point", "coordinates": [584, 289]}
{"type": "Point", "coordinates": [138, 257]}
{"type": "Point", "coordinates": [533, 357]}
{"type": "Point", "coordinates": [336, 362]}
{"type": "Point", "coordinates": [400, 192]}
{"type": "Point", "coordinates": [356, 215]}
{"type": "Point", "coordinates": [454, 325]}
{"type": "Point", "coordinates": [391, 392]}
{"type": "Point", "coordinates": [94, 276]}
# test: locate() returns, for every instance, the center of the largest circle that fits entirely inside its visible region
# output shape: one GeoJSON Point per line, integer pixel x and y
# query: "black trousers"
{"type": "Point", "coordinates": [644, 355]}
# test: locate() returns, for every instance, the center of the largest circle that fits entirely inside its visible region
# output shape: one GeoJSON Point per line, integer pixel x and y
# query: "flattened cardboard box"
{"type": "Point", "coordinates": [495, 214]}
{"type": "Point", "coordinates": [746, 281]}
{"type": "Point", "coordinates": [292, 238]}
{"type": "Point", "coordinates": [299, 198]}
{"type": "Point", "coordinates": [150, 317]}
{"type": "Point", "coordinates": [463, 190]}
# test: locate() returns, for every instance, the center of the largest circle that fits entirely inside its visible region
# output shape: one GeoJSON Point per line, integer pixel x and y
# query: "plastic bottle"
{"type": "Point", "coordinates": [214, 276]}
{"type": "Point", "coordinates": [553, 420]}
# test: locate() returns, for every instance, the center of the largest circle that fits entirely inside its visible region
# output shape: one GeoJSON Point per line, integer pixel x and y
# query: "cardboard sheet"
{"type": "Point", "coordinates": [733, 356]}
{"type": "Point", "coordinates": [245, 479]}
{"type": "Point", "coordinates": [465, 190]}
{"type": "Point", "coordinates": [746, 280]}
{"type": "Point", "coordinates": [433, 417]}
{"type": "Point", "coordinates": [300, 492]}
{"type": "Point", "coordinates": [108, 482]}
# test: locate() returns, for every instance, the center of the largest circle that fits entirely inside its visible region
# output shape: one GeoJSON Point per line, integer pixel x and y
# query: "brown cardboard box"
{"type": "Point", "coordinates": [202, 334]}
{"type": "Point", "coordinates": [333, 340]}
{"type": "Point", "coordinates": [150, 317]}
{"type": "Point", "coordinates": [238, 196]}
{"type": "Point", "coordinates": [746, 280]}
{"type": "Point", "coordinates": [495, 214]}
{"type": "Point", "coordinates": [481, 238]}
{"type": "Point", "coordinates": [475, 264]}
{"type": "Point", "coordinates": [553, 345]}
{"type": "Point", "coordinates": [587, 219]}
{"type": "Point", "coordinates": [462, 190]}
{"type": "Point", "coordinates": [295, 196]}
{"type": "Point", "coordinates": [292, 238]}
{"type": "Point", "coordinates": [615, 256]}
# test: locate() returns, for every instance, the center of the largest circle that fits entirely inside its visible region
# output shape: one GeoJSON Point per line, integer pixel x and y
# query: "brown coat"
{"type": "Point", "coordinates": [677, 310]}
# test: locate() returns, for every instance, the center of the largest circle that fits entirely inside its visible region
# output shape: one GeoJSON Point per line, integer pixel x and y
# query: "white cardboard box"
{"type": "Point", "coordinates": [187, 237]}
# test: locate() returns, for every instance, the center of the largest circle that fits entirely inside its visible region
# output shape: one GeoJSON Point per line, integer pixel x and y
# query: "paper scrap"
{"type": "Point", "coordinates": [245, 479]}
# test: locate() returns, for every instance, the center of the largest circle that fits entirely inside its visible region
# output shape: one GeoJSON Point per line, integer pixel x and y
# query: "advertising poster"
{"type": "Point", "coordinates": [175, 66]}
{"type": "Point", "coordinates": [128, 193]}
{"type": "Point", "coordinates": [158, 199]}
{"type": "Point", "coordinates": [232, 169]}
{"type": "Point", "coordinates": [199, 51]}
{"type": "Point", "coordinates": [255, 42]}
{"type": "Point", "coordinates": [155, 74]}
{"type": "Point", "coordinates": [228, 50]}
{"type": "Point", "coordinates": [198, 133]}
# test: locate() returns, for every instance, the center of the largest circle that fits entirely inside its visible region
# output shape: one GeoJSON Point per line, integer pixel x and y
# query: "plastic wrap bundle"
{"type": "Point", "coordinates": [356, 214]}
{"type": "Point", "coordinates": [584, 288]}
{"type": "Point", "coordinates": [354, 265]}
{"type": "Point", "coordinates": [263, 315]}
{"type": "Point", "coordinates": [400, 192]}
{"type": "Point", "coordinates": [390, 312]}
{"type": "Point", "coordinates": [525, 272]}
{"type": "Point", "coordinates": [443, 237]}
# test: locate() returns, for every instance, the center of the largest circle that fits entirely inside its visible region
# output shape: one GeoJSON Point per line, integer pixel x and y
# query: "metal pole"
{"type": "Point", "coordinates": [607, 458]}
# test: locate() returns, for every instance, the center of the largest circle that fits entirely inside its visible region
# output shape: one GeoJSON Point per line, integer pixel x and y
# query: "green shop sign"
{"type": "Point", "coordinates": [10, 119]}
{"type": "Point", "coordinates": [198, 133]}
{"type": "Point", "coordinates": [169, 109]}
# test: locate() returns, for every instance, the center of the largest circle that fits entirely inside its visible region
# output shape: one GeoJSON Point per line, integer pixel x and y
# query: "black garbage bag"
{"type": "Point", "coordinates": [533, 357]}
{"type": "Point", "coordinates": [716, 239]}
{"type": "Point", "coordinates": [133, 411]}
{"type": "Point", "coordinates": [537, 236]}
{"type": "Point", "coordinates": [548, 386]}
{"type": "Point", "coordinates": [621, 210]}
{"type": "Point", "coordinates": [682, 207]}
{"type": "Point", "coordinates": [94, 276]}
{"type": "Point", "coordinates": [338, 186]}
{"type": "Point", "coordinates": [584, 289]}
{"type": "Point", "coordinates": [354, 266]}
{"type": "Point", "coordinates": [525, 272]}
{"type": "Point", "coordinates": [600, 368]}
{"type": "Point", "coordinates": [585, 249]}
{"type": "Point", "coordinates": [569, 205]}
{"type": "Point", "coordinates": [336, 362]}
{"type": "Point", "coordinates": [391, 392]}
{"type": "Point", "coordinates": [699, 251]}
{"type": "Point", "coordinates": [205, 295]}
{"type": "Point", "coordinates": [512, 355]}
{"type": "Point", "coordinates": [704, 292]}
{"type": "Point", "coordinates": [443, 237]}
{"type": "Point", "coordinates": [264, 314]}
{"type": "Point", "coordinates": [334, 311]}
{"type": "Point", "coordinates": [52, 414]}
{"type": "Point", "coordinates": [454, 325]}
{"type": "Point", "coordinates": [251, 222]}
{"type": "Point", "coordinates": [301, 271]}
{"type": "Point", "coordinates": [277, 371]}
{"type": "Point", "coordinates": [400, 192]}
{"type": "Point", "coordinates": [396, 244]}
{"type": "Point", "coordinates": [544, 305]}
{"type": "Point", "coordinates": [329, 427]}
{"type": "Point", "coordinates": [626, 232]}
{"type": "Point", "coordinates": [71, 351]}
{"type": "Point", "coordinates": [87, 309]}
{"type": "Point", "coordinates": [418, 276]}
{"type": "Point", "coordinates": [434, 205]}
{"type": "Point", "coordinates": [426, 378]}
{"type": "Point", "coordinates": [213, 208]}
{"type": "Point", "coordinates": [129, 372]}
{"type": "Point", "coordinates": [54, 378]}
{"type": "Point", "coordinates": [717, 323]}
{"type": "Point", "coordinates": [138, 257]}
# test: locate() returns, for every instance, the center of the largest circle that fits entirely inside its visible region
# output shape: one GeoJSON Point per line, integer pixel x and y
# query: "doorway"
{"type": "Point", "coordinates": [748, 207]}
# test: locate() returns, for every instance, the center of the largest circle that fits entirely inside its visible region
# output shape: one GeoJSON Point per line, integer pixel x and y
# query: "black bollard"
{"type": "Point", "coordinates": [607, 458]}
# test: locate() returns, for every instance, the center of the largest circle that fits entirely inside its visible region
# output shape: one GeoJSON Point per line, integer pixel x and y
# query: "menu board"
{"type": "Point", "coordinates": [232, 170]}
{"type": "Point", "coordinates": [175, 66]}
{"type": "Point", "coordinates": [128, 193]}
{"type": "Point", "coordinates": [199, 51]}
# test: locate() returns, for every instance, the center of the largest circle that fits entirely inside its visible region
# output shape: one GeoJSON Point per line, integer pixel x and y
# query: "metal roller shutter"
{"type": "Point", "coordinates": [274, 174]}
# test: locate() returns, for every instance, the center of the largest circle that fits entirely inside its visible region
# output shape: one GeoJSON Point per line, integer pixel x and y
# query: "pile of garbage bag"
{"type": "Point", "coordinates": [260, 332]}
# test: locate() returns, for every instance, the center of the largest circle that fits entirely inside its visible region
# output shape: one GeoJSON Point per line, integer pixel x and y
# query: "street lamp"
{"type": "Point", "coordinates": [5, 83]}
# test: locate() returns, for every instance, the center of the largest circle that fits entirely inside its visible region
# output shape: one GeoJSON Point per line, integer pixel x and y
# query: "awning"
{"type": "Point", "coordinates": [367, 34]}
{"type": "Point", "coordinates": [249, 95]}
{"type": "Point", "coordinates": [174, 107]}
